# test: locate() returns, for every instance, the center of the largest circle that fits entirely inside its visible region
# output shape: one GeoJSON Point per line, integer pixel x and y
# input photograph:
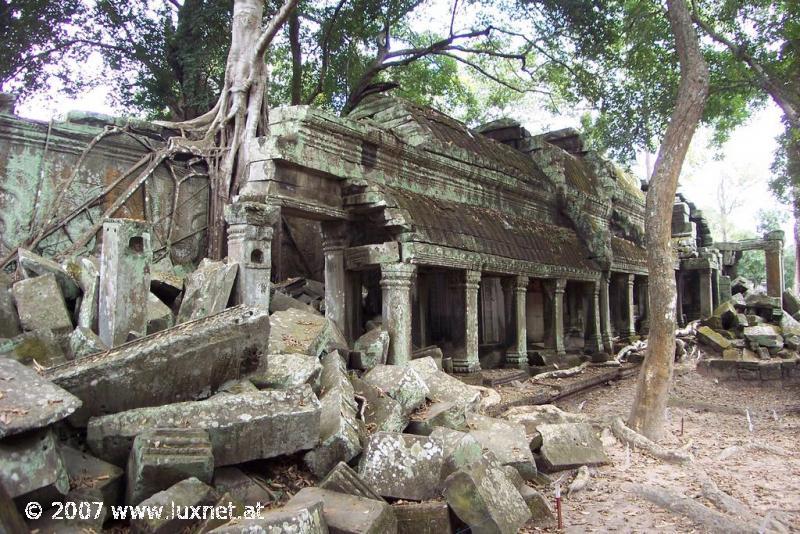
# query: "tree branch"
{"type": "Point", "coordinates": [764, 78]}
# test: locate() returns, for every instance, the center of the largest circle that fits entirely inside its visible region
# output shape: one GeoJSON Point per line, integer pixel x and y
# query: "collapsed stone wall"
{"type": "Point", "coordinates": [41, 185]}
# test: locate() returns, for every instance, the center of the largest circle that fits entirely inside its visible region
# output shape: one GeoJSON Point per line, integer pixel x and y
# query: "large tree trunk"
{"type": "Point", "coordinates": [649, 407]}
{"type": "Point", "coordinates": [240, 115]}
{"type": "Point", "coordinates": [793, 170]}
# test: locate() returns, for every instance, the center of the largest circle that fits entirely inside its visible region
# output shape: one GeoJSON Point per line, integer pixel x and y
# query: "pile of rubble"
{"type": "Point", "coordinates": [178, 409]}
{"type": "Point", "coordinates": [752, 336]}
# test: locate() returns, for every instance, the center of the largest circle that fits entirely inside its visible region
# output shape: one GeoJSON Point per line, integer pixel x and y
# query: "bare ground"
{"type": "Point", "coordinates": [767, 481]}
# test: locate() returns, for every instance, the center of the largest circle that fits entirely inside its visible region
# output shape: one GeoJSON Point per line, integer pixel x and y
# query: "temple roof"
{"type": "Point", "coordinates": [487, 231]}
{"type": "Point", "coordinates": [628, 256]}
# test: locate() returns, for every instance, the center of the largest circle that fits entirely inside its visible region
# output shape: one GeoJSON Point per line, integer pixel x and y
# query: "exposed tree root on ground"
{"type": "Point", "coordinates": [636, 440]}
{"type": "Point", "coordinates": [736, 450]}
{"type": "Point", "coordinates": [712, 520]}
{"type": "Point", "coordinates": [580, 482]}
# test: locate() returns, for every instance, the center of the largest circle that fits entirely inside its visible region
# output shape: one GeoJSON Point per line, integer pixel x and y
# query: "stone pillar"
{"type": "Point", "coordinates": [558, 314]}
{"type": "Point", "coordinates": [125, 260]}
{"type": "Point", "coordinates": [644, 305]}
{"type": "Point", "coordinates": [774, 263]}
{"type": "Point", "coordinates": [706, 293]}
{"type": "Point", "coordinates": [517, 355]}
{"type": "Point", "coordinates": [679, 319]}
{"type": "Point", "coordinates": [396, 279]}
{"type": "Point", "coordinates": [334, 242]}
{"type": "Point", "coordinates": [250, 245]}
{"type": "Point", "coordinates": [594, 337]}
{"type": "Point", "coordinates": [630, 315]}
{"type": "Point", "coordinates": [605, 313]}
{"type": "Point", "coordinates": [468, 361]}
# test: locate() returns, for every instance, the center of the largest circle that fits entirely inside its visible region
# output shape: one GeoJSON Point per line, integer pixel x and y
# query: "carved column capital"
{"type": "Point", "coordinates": [472, 280]}
{"type": "Point", "coordinates": [397, 274]}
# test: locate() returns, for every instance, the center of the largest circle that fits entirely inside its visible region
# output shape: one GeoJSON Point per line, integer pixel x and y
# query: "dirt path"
{"type": "Point", "coordinates": [768, 482]}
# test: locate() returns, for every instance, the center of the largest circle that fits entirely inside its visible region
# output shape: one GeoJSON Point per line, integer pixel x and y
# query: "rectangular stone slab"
{"type": "Point", "coordinates": [343, 479]}
{"type": "Point", "coordinates": [306, 520]}
{"type": "Point", "coordinates": [41, 305]}
{"type": "Point", "coordinates": [348, 514]}
{"type": "Point", "coordinates": [28, 401]}
{"type": "Point", "coordinates": [249, 426]}
{"type": "Point", "coordinates": [432, 517]}
{"type": "Point", "coordinates": [403, 466]}
{"type": "Point", "coordinates": [31, 462]}
{"type": "Point", "coordinates": [174, 365]}
{"type": "Point", "coordinates": [162, 457]}
{"type": "Point", "coordinates": [570, 445]}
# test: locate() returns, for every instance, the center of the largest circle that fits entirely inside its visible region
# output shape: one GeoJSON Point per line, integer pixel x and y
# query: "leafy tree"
{"type": "Point", "coordinates": [38, 36]}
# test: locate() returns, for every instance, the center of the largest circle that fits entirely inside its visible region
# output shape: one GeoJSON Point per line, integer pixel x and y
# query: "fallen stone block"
{"type": "Point", "coordinates": [737, 299]}
{"type": "Point", "coordinates": [32, 466]}
{"type": "Point", "coordinates": [489, 398]}
{"type": "Point", "coordinates": [400, 382]}
{"type": "Point", "coordinates": [767, 336]}
{"type": "Point", "coordinates": [236, 387]}
{"type": "Point", "coordinates": [372, 349]}
{"type": "Point", "coordinates": [570, 445]}
{"type": "Point", "coordinates": [181, 498]}
{"type": "Point", "coordinates": [281, 302]}
{"type": "Point", "coordinates": [87, 275]}
{"type": "Point", "coordinates": [791, 302]}
{"type": "Point", "coordinates": [159, 316]}
{"type": "Point", "coordinates": [208, 290]}
{"type": "Point", "coordinates": [726, 313]}
{"type": "Point", "coordinates": [431, 351]}
{"type": "Point", "coordinates": [344, 479]}
{"type": "Point", "coordinates": [295, 331]}
{"type": "Point", "coordinates": [341, 432]}
{"type": "Point", "coordinates": [460, 449]}
{"type": "Point", "coordinates": [166, 285]}
{"type": "Point", "coordinates": [789, 325]}
{"type": "Point", "coordinates": [40, 305]}
{"type": "Point", "coordinates": [92, 480]}
{"type": "Point", "coordinates": [240, 486]}
{"type": "Point", "coordinates": [163, 457]}
{"type": "Point", "coordinates": [381, 412]}
{"type": "Point", "coordinates": [348, 514]}
{"type": "Point", "coordinates": [508, 441]}
{"type": "Point", "coordinates": [444, 414]}
{"type": "Point", "coordinates": [758, 300]}
{"type": "Point", "coordinates": [539, 506]}
{"type": "Point", "coordinates": [791, 342]}
{"type": "Point", "coordinates": [83, 342]}
{"type": "Point", "coordinates": [403, 466]}
{"type": "Point", "coordinates": [483, 497]}
{"type": "Point", "coordinates": [251, 426]}
{"type": "Point", "coordinates": [33, 266]}
{"type": "Point", "coordinates": [287, 371]}
{"type": "Point", "coordinates": [443, 387]}
{"type": "Point", "coordinates": [710, 338]}
{"type": "Point", "coordinates": [28, 401]}
{"type": "Point", "coordinates": [9, 320]}
{"type": "Point", "coordinates": [41, 346]}
{"type": "Point", "coordinates": [306, 520]}
{"type": "Point", "coordinates": [544, 414]}
{"type": "Point", "coordinates": [431, 517]}
{"type": "Point", "coordinates": [741, 284]}
{"type": "Point", "coordinates": [178, 364]}
{"type": "Point", "coordinates": [224, 510]}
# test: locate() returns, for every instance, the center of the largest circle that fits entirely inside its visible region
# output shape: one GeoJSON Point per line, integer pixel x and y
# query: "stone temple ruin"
{"type": "Point", "coordinates": [381, 269]}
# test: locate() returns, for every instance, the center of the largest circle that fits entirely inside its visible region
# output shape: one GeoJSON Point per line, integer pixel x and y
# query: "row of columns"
{"type": "Point", "coordinates": [249, 244]}
{"type": "Point", "coordinates": [396, 285]}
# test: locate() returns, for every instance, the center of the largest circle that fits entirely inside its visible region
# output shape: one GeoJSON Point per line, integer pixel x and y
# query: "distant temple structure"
{"type": "Point", "coordinates": [505, 249]}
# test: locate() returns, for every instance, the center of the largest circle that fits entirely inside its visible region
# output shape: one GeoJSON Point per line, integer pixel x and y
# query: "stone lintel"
{"type": "Point", "coordinates": [366, 256]}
